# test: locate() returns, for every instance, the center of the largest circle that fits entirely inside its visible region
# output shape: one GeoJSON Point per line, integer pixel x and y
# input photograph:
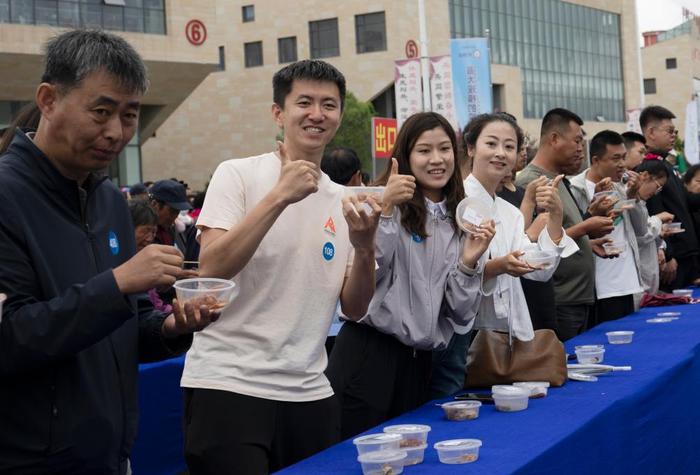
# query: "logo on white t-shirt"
{"type": "Point", "coordinates": [328, 251]}
{"type": "Point", "coordinates": [329, 227]}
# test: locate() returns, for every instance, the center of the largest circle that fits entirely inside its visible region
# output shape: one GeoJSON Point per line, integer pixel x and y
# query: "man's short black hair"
{"type": "Point", "coordinates": [558, 119]}
{"type": "Point", "coordinates": [307, 69]}
{"type": "Point", "coordinates": [655, 168]}
{"type": "Point", "coordinates": [631, 138]}
{"type": "Point", "coordinates": [340, 164]}
{"type": "Point", "coordinates": [654, 114]}
{"type": "Point", "coordinates": [73, 55]}
{"type": "Point", "coordinates": [601, 140]}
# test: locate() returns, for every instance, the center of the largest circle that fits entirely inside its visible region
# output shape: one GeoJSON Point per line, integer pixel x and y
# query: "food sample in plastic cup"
{"type": "Point", "coordinates": [610, 194]}
{"type": "Point", "coordinates": [461, 410]}
{"type": "Point", "coordinates": [210, 292]}
{"type": "Point", "coordinates": [614, 248]}
{"type": "Point", "coordinates": [538, 389]}
{"type": "Point", "coordinates": [375, 442]}
{"type": "Point", "coordinates": [673, 228]}
{"type": "Point", "coordinates": [414, 455]}
{"type": "Point", "coordinates": [590, 354]}
{"type": "Point", "coordinates": [539, 259]}
{"type": "Point", "coordinates": [414, 435]}
{"type": "Point", "coordinates": [510, 398]}
{"type": "Point", "coordinates": [471, 212]}
{"type": "Point", "coordinates": [458, 450]}
{"type": "Point", "coordinates": [382, 462]}
{"type": "Point", "coordinates": [620, 337]}
{"type": "Point", "coordinates": [683, 292]}
{"type": "Point", "coordinates": [625, 204]}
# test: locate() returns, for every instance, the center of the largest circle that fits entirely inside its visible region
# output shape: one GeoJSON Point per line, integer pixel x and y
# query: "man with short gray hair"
{"type": "Point", "coordinates": [77, 321]}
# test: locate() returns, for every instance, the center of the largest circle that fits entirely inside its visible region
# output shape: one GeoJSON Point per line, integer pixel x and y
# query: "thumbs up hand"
{"type": "Point", "coordinates": [298, 178]}
{"type": "Point", "coordinates": [399, 189]}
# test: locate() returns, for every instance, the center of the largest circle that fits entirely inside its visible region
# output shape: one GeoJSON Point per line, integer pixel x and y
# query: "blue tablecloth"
{"type": "Point", "coordinates": [646, 421]}
{"type": "Point", "coordinates": [158, 448]}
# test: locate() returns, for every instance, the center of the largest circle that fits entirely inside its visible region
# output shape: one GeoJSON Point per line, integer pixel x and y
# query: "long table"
{"type": "Point", "coordinates": [646, 421]}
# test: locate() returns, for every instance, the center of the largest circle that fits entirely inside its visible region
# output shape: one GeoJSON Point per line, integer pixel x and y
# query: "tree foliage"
{"type": "Point", "coordinates": [355, 131]}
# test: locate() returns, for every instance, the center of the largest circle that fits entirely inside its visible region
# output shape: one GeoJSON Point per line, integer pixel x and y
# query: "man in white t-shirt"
{"type": "Point", "coordinates": [616, 280]}
{"type": "Point", "coordinates": [256, 398]}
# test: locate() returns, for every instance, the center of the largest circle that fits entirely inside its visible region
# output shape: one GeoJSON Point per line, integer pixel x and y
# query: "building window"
{"type": "Point", "coordinates": [253, 54]}
{"type": "Point", "coordinates": [671, 63]}
{"type": "Point", "coordinates": [370, 32]}
{"type": "Point", "coordinates": [650, 86]}
{"type": "Point", "coordinates": [248, 13]}
{"type": "Point", "coordinates": [287, 49]}
{"type": "Point", "coordinates": [142, 16]}
{"type": "Point", "coordinates": [323, 36]}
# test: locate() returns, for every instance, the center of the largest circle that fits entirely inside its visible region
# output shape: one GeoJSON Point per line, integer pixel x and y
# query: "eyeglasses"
{"type": "Point", "coordinates": [659, 187]}
{"type": "Point", "coordinates": [669, 130]}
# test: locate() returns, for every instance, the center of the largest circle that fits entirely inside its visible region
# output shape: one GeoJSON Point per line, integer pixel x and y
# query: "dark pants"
{"type": "Point", "coordinates": [449, 366]}
{"type": "Point", "coordinates": [375, 377]}
{"type": "Point", "coordinates": [572, 320]}
{"type": "Point", "coordinates": [612, 308]}
{"type": "Point", "coordinates": [540, 303]}
{"type": "Point", "coordinates": [231, 433]}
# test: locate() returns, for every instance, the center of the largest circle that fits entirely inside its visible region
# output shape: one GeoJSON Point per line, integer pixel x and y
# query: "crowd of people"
{"type": "Point", "coordinates": [88, 272]}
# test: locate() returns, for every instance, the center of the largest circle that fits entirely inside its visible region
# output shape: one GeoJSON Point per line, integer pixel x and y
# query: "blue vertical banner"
{"type": "Point", "coordinates": [471, 78]}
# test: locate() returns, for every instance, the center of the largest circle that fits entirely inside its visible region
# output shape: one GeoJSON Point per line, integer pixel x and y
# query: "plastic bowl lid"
{"type": "Point", "coordinates": [589, 347]}
{"type": "Point", "coordinates": [371, 439]}
{"type": "Point", "coordinates": [533, 384]}
{"type": "Point", "coordinates": [682, 291]}
{"type": "Point", "coordinates": [365, 189]}
{"type": "Point", "coordinates": [462, 404]}
{"type": "Point", "coordinates": [620, 333]}
{"type": "Point", "coordinates": [382, 456]}
{"type": "Point", "coordinates": [407, 429]}
{"type": "Point", "coordinates": [668, 314]}
{"type": "Point", "coordinates": [508, 391]}
{"type": "Point", "coordinates": [457, 444]}
{"type": "Point", "coordinates": [661, 319]}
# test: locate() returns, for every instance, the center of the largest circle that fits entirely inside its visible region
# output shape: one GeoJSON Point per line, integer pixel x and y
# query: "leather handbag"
{"type": "Point", "coordinates": [499, 358]}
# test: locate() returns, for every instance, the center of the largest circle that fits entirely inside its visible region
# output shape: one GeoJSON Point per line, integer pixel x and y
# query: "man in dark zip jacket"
{"type": "Point", "coordinates": [76, 322]}
{"type": "Point", "coordinates": [682, 249]}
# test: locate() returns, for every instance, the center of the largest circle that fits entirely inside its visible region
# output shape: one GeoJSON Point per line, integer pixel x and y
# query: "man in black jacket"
{"type": "Point", "coordinates": [682, 250]}
{"type": "Point", "coordinates": [76, 322]}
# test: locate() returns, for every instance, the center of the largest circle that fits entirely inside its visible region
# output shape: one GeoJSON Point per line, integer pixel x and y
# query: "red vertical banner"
{"type": "Point", "coordinates": [383, 136]}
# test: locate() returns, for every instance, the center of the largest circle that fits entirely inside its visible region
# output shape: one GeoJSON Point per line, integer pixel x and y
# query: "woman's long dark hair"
{"type": "Point", "coordinates": [413, 212]}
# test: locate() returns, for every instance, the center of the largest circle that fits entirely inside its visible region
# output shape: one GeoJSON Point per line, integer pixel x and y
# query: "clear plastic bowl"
{"type": "Point", "coordinates": [382, 462]}
{"type": "Point", "coordinates": [367, 190]}
{"type": "Point", "coordinates": [458, 450]}
{"type": "Point", "coordinates": [613, 248]}
{"type": "Point", "coordinates": [414, 455]}
{"type": "Point", "coordinates": [606, 194]}
{"type": "Point", "coordinates": [538, 389]}
{"type": "Point", "coordinates": [673, 228]}
{"type": "Point", "coordinates": [471, 212]}
{"type": "Point", "coordinates": [625, 204]}
{"type": "Point", "coordinates": [210, 292]}
{"type": "Point", "coordinates": [510, 398]}
{"type": "Point", "coordinates": [620, 337]}
{"type": "Point", "coordinates": [590, 355]}
{"type": "Point", "coordinates": [539, 259]}
{"type": "Point", "coordinates": [375, 442]}
{"type": "Point", "coordinates": [414, 435]}
{"type": "Point", "coordinates": [461, 410]}
{"type": "Point", "coordinates": [683, 292]}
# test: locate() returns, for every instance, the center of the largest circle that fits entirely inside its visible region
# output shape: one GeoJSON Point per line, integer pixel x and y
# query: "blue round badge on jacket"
{"type": "Point", "coordinates": [417, 238]}
{"type": "Point", "coordinates": [328, 251]}
{"type": "Point", "coordinates": [113, 243]}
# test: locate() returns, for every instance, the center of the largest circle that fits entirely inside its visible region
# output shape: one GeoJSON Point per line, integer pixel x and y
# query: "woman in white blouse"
{"type": "Point", "coordinates": [493, 142]}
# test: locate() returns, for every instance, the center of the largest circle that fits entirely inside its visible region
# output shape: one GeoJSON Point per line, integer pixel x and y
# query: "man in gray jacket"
{"type": "Point", "coordinates": [616, 280]}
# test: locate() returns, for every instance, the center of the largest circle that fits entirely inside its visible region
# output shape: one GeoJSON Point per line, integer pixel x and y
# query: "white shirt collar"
{"type": "Point", "coordinates": [473, 188]}
{"type": "Point", "coordinates": [439, 209]}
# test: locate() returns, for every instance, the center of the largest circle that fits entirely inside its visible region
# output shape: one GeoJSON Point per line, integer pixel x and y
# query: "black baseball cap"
{"type": "Point", "coordinates": [171, 193]}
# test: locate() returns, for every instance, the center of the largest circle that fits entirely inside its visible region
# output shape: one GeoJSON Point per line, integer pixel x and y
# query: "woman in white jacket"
{"type": "Point", "coordinates": [493, 142]}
